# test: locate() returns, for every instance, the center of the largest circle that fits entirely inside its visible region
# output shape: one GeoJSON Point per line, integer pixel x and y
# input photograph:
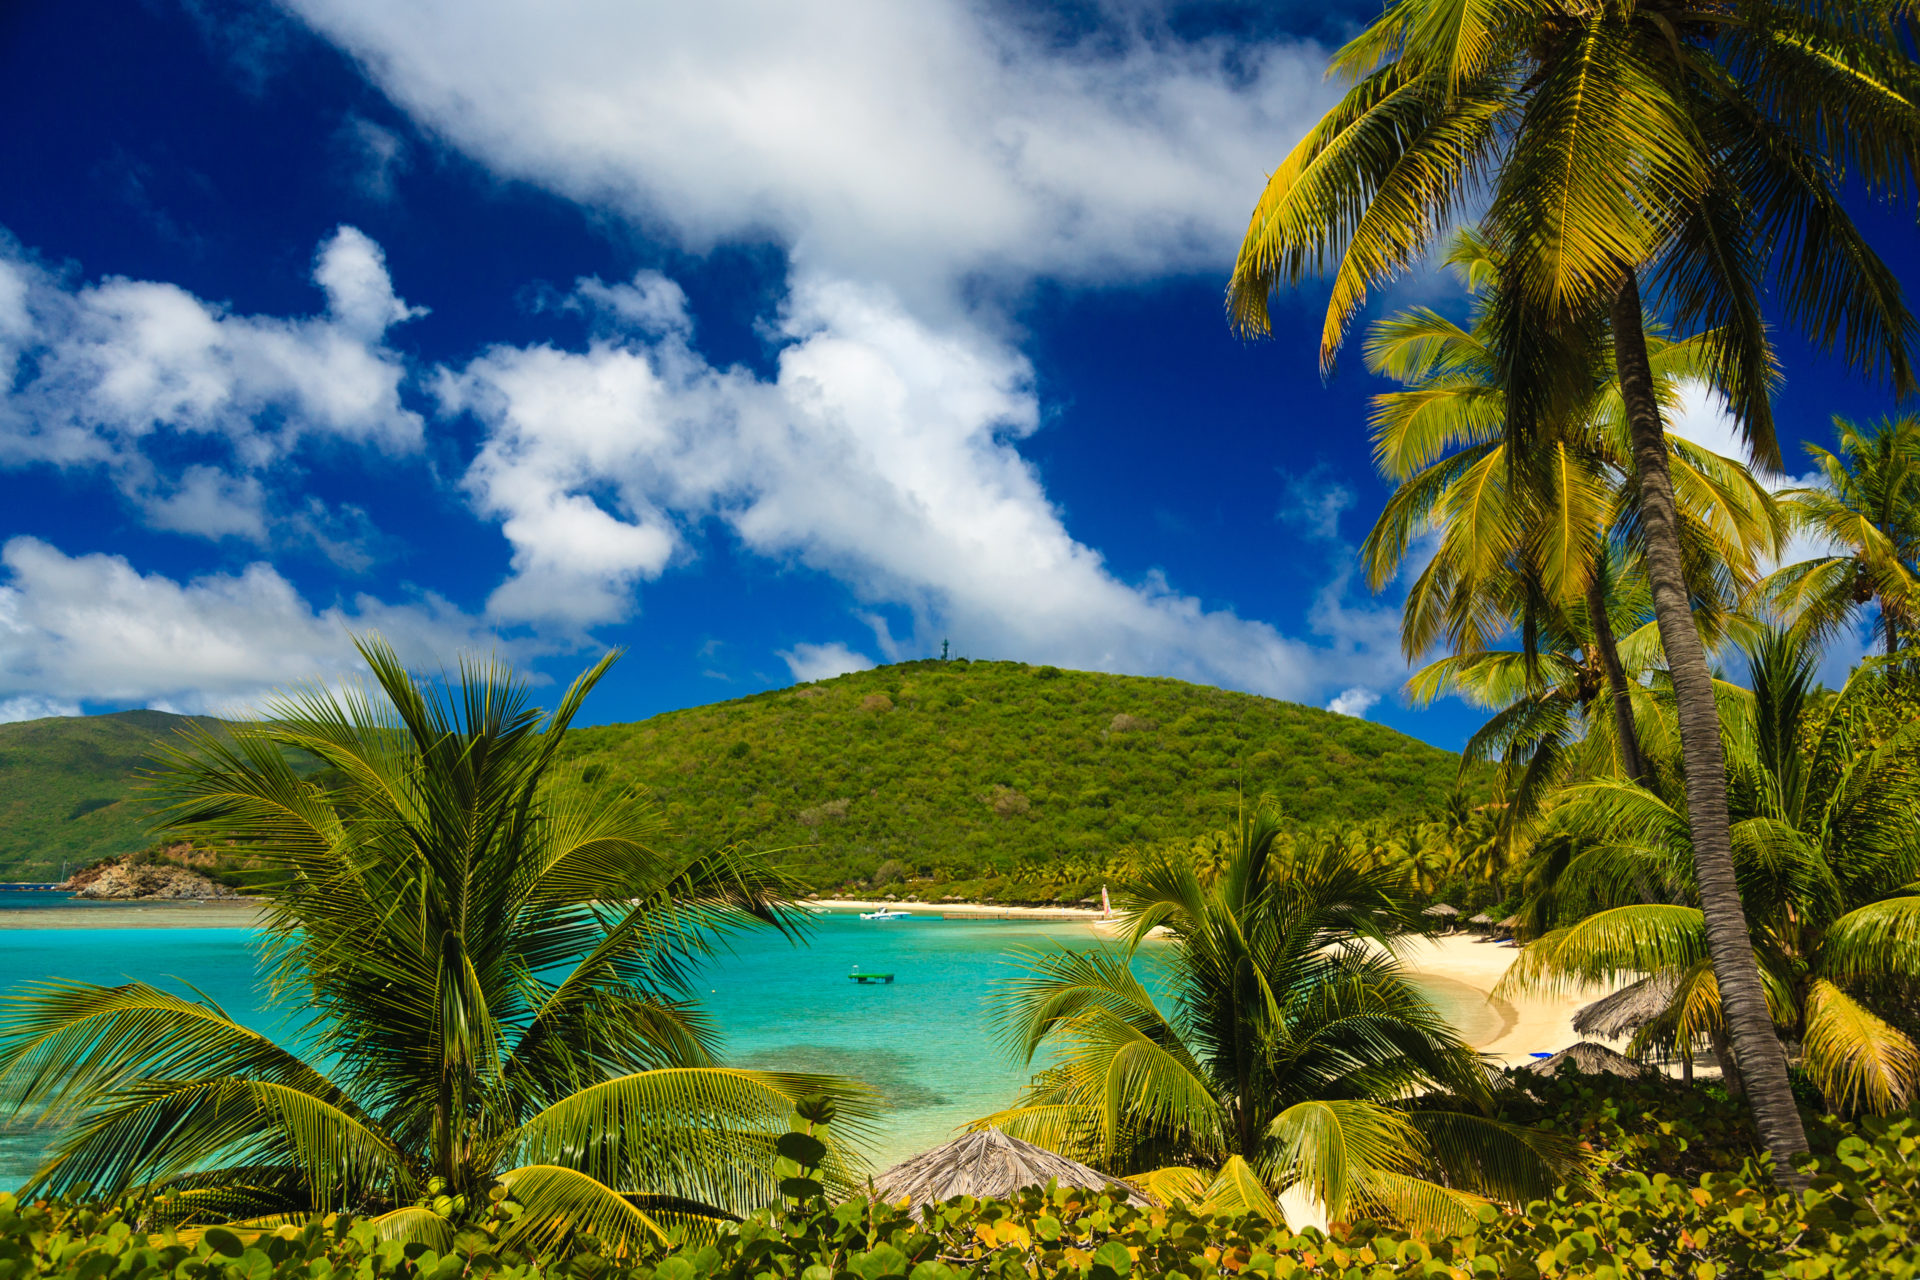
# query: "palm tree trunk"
{"type": "Point", "coordinates": [1892, 628]}
{"type": "Point", "coordinates": [1631, 762]}
{"type": "Point", "coordinates": [1756, 1049]}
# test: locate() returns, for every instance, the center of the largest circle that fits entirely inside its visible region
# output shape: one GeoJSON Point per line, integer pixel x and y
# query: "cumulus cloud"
{"type": "Point", "coordinates": [31, 708]}
{"type": "Point", "coordinates": [916, 144]}
{"type": "Point", "coordinates": [1355, 702]}
{"type": "Point", "coordinates": [882, 451]}
{"type": "Point", "coordinates": [823, 661]}
{"type": "Point", "coordinates": [92, 627]}
{"type": "Point", "coordinates": [103, 375]}
{"type": "Point", "coordinates": [919, 164]}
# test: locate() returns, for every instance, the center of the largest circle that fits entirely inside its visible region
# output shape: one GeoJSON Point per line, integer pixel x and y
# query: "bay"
{"type": "Point", "coordinates": [925, 1041]}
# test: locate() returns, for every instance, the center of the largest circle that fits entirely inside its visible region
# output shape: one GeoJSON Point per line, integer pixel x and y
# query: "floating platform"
{"type": "Point", "coordinates": [864, 978]}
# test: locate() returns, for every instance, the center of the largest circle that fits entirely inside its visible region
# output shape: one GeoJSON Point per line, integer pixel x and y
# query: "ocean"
{"type": "Point", "coordinates": [925, 1041]}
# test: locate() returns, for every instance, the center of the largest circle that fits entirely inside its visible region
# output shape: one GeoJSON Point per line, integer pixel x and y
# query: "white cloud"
{"type": "Point", "coordinates": [375, 156]}
{"type": "Point", "coordinates": [96, 375]}
{"type": "Point", "coordinates": [1702, 416]}
{"type": "Point", "coordinates": [882, 452]}
{"type": "Point", "coordinates": [211, 503]}
{"type": "Point", "coordinates": [915, 144]}
{"type": "Point", "coordinates": [823, 661]}
{"type": "Point", "coordinates": [1314, 501]}
{"type": "Point", "coordinates": [920, 164]}
{"type": "Point", "coordinates": [32, 708]}
{"type": "Point", "coordinates": [90, 626]}
{"type": "Point", "coordinates": [1356, 702]}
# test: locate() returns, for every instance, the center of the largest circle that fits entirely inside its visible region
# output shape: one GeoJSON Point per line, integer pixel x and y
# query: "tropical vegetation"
{"type": "Point", "coordinates": [1866, 507]}
{"type": "Point", "coordinates": [1550, 554]}
{"type": "Point", "coordinates": [495, 955]}
{"type": "Point", "coordinates": [1678, 1203]}
{"type": "Point", "coordinates": [949, 775]}
{"type": "Point", "coordinates": [1281, 1059]}
{"type": "Point", "coordinates": [1664, 148]}
{"type": "Point", "coordinates": [1823, 791]}
{"type": "Point", "coordinates": [68, 788]}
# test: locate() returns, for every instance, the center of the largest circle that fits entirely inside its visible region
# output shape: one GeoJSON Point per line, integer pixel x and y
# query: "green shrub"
{"type": "Point", "coordinates": [1861, 1218]}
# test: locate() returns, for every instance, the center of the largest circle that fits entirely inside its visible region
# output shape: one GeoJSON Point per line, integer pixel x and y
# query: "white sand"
{"type": "Point", "coordinates": [1532, 1024]}
{"type": "Point", "coordinates": [1539, 1023]}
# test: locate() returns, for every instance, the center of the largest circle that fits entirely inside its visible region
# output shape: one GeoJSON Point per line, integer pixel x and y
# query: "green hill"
{"type": "Point", "coordinates": [961, 770]}
{"type": "Point", "coordinates": [66, 788]}
{"type": "Point", "coordinates": [957, 770]}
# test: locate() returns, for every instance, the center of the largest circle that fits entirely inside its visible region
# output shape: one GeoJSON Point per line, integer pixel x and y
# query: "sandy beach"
{"type": "Point", "coordinates": [149, 914]}
{"type": "Point", "coordinates": [1526, 1025]}
{"type": "Point", "coordinates": [1534, 1024]}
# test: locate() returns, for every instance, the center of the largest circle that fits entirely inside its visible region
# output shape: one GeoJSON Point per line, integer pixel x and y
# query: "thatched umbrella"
{"type": "Point", "coordinates": [1628, 1009]}
{"type": "Point", "coordinates": [988, 1164]}
{"type": "Point", "coordinates": [1481, 921]}
{"type": "Point", "coordinates": [1441, 909]}
{"type": "Point", "coordinates": [1591, 1058]}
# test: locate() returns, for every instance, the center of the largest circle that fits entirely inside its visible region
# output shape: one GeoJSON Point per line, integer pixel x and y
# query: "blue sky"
{"type": "Point", "coordinates": [763, 344]}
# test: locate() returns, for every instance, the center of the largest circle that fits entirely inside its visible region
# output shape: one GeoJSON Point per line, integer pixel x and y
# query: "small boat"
{"type": "Point", "coordinates": [886, 913]}
{"type": "Point", "coordinates": [864, 978]}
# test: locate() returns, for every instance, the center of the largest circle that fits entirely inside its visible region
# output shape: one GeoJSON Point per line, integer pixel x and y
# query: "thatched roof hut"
{"type": "Point", "coordinates": [1441, 909]}
{"type": "Point", "coordinates": [1594, 1059]}
{"type": "Point", "coordinates": [988, 1164]}
{"type": "Point", "coordinates": [1628, 1009]}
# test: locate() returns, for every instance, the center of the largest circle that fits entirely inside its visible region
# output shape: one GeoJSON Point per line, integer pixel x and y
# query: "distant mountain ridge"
{"type": "Point", "coordinates": [956, 769]}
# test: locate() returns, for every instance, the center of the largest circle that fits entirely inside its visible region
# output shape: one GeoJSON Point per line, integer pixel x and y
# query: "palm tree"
{"type": "Point", "coordinates": [1823, 794]}
{"type": "Point", "coordinates": [1290, 1056]}
{"type": "Point", "coordinates": [496, 961]}
{"type": "Point", "coordinates": [1552, 547]}
{"type": "Point", "coordinates": [1693, 144]}
{"type": "Point", "coordinates": [1869, 505]}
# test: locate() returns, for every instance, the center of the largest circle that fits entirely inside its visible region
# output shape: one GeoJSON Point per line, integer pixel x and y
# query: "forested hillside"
{"type": "Point", "coordinates": [67, 789]}
{"type": "Point", "coordinates": [962, 770]}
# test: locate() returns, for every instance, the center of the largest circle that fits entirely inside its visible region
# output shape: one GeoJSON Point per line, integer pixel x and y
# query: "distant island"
{"type": "Point", "coordinates": [965, 777]}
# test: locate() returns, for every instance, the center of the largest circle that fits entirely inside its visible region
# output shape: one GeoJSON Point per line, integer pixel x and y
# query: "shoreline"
{"type": "Point", "coordinates": [971, 910]}
{"type": "Point", "coordinates": [137, 913]}
{"type": "Point", "coordinates": [1538, 1023]}
{"type": "Point", "coordinates": [1541, 1023]}
{"type": "Point", "coordinates": [1527, 1025]}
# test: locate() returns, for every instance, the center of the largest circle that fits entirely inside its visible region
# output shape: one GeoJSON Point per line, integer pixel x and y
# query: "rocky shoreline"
{"type": "Point", "coordinates": [124, 881]}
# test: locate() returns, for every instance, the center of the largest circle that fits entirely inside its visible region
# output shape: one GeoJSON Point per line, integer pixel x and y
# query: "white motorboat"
{"type": "Point", "coordinates": [886, 913]}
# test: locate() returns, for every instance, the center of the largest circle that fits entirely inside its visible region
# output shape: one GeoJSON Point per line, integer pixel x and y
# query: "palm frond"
{"type": "Point", "coordinates": [1236, 1189]}
{"type": "Point", "coordinates": [1624, 942]}
{"type": "Point", "coordinates": [1332, 1148]}
{"type": "Point", "coordinates": [1860, 1061]}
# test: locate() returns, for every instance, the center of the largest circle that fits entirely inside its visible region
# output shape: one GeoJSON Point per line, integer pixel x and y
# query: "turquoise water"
{"type": "Point", "coordinates": [924, 1041]}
